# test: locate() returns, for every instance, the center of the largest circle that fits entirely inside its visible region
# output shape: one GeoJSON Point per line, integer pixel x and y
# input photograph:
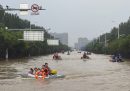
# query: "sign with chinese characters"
{"type": "Point", "coordinates": [33, 35]}
{"type": "Point", "coordinates": [53, 42]}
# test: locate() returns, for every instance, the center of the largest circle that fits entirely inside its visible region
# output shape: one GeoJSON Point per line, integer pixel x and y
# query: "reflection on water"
{"type": "Point", "coordinates": [6, 71]}
{"type": "Point", "coordinates": [95, 74]}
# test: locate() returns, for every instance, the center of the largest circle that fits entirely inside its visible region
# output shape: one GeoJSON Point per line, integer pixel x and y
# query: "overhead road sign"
{"type": "Point", "coordinates": [33, 35]}
{"type": "Point", "coordinates": [53, 42]}
{"type": "Point", "coordinates": [18, 9]}
{"type": "Point", "coordinates": [24, 9]}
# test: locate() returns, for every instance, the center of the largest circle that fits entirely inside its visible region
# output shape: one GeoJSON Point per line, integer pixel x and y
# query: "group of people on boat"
{"type": "Point", "coordinates": [44, 71]}
{"type": "Point", "coordinates": [85, 56]}
{"type": "Point", "coordinates": [56, 56]}
{"type": "Point", "coordinates": [116, 58]}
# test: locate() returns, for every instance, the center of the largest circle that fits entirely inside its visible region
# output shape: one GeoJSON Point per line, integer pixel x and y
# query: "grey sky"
{"type": "Point", "coordinates": [80, 18]}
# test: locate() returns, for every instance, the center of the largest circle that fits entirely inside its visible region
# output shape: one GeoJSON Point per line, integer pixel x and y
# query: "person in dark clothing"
{"type": "Point", "coordinates": [31, 71]}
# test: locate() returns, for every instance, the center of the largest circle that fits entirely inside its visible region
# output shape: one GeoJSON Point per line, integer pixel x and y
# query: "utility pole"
{"type": "Point", "coordinates": [105, 40]}
{"type": "Point", "coordinates": [6, 54]}
{"type": "Point", "coordinates": [99, 39]}
{"type": "Point", "coordinates": [30, 25]}
{"type": "Point", "coordinates": [118, 33]}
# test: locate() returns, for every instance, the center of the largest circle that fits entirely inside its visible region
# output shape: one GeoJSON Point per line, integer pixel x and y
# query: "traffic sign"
{"type": "Point", "coordinates": [35, 8]}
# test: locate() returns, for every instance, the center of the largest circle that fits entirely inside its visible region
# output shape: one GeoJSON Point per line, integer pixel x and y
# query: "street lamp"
{"type": "Point", "coordinates": [105, 39]}
{"type": "Point", "coordinates": [47, 30]}
{"type": "Point", "coordinates": [6, 28]}
{"type": "Point", "coordinates": [99, 38]}
{"type": "Point", "coordinates": [118, 33]}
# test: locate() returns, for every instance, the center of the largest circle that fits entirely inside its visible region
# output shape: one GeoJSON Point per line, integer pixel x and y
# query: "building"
{"type": "Point", "coordinates": [63, 37]}
{"type": "Point", "coordinates": [82, 42]}
{"type": "Point", "coordinates": [76, 46]}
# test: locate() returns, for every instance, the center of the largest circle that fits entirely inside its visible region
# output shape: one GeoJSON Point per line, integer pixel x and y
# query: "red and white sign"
{"type": "Point", "coordinates": [35, 8]}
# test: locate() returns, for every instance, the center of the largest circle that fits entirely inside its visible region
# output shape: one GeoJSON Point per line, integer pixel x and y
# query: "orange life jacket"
{"type": "Point", "coordinates": [41, 73]}
{"type": "Point", "coordinates": [46, 71]}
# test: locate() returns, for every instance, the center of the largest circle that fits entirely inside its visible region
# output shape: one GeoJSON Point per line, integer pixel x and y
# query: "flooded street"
{"type": "Point", "coordinates": [95, 74]}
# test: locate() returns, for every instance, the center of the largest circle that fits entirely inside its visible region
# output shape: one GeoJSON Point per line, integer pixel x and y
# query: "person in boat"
{"type": "Point", "coordinates": [85, 56]}
{"type": "Point", "coordinates": [43, 66]}
{"type": "Point", "coordinates": [119, 58]}
{"type": "Point", "coordinates": [47, 69]}
{"type": "Point", "coordinates": [35, 69]}
{"type": "Point", "coordinates": [116, 58]}
{"type": "Point", "coordinates": [113, 58]}
{"type": "Point", "coordinates": [39, 72]}
{"type": "Point", "coordinates": [55, 56]}
{"type": "Point", "coordinates": [31, 71]}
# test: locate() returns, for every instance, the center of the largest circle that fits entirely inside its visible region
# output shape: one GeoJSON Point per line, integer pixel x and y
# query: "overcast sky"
{"type": "Point", "coordinates": [80, 18]}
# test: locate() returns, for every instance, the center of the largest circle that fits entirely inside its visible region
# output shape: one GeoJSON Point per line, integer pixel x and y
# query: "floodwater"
{"type": "Point", "coordinates": [95, 74]}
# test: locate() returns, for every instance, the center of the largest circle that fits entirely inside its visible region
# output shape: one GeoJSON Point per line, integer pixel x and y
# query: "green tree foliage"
{"type": "Point", "coordinates": [113, 44]}
{"type": "Point", "coordinates": [9, 39]}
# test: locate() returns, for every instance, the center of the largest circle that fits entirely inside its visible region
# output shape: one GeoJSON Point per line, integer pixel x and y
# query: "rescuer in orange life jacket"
{"type": "Point", "coordinates": [47, 69]}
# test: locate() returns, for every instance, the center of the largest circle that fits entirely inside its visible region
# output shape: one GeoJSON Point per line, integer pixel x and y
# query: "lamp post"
{"type": "Point", "coordinates": [105, 40]}
{"type": "Point", "coordinates": [47, 30]}
{"type": "Point", "coordinates": [6, 55]}
{"type": "Point", "coordinates": [30, 26]}
{"type": "Point", "coordinates": [118, 33]}
{"type": "Point", "coordinates": [99, 39]}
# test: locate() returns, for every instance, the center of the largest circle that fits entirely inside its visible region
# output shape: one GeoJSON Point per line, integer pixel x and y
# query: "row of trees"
{"type": "Point", "coordinates": [9, 39]}
{"type": "Point", "coordinates": [110, 44]}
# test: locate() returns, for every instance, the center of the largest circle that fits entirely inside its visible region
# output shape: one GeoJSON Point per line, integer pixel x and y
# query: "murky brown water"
{"type": "Point", "coordinates": [96, 74]}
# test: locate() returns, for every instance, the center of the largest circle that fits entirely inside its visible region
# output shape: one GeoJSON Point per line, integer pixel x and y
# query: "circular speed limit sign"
{"type": "Point", "coordinates": [35, 8]}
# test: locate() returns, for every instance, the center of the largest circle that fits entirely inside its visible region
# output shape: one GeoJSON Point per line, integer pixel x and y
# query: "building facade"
{"type": "Point", "coordinates": [63, 37]}
{"type": "Point", "coordinates": [82, 42]}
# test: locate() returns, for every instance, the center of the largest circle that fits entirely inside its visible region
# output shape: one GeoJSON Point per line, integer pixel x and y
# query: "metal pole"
{"type": "Point", "coordinates": [99, 39]}
{"type": "Point", "coordinates": [7, 53]}
{"type": "Point", "coordinates": [105, 40]}
{"type": "Point", "coordinates": [118, 34]}
{"type": "Point", "coordinates": [30, 25]}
